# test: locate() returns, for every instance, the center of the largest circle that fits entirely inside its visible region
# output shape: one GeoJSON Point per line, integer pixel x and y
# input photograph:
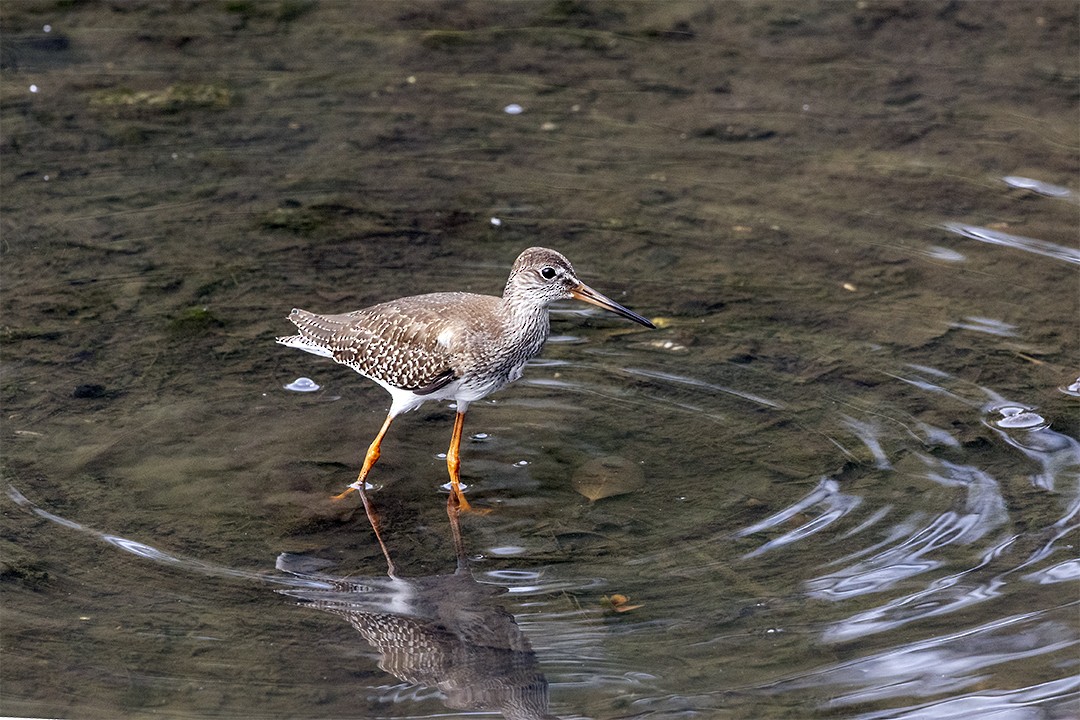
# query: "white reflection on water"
{"type": "Point", "coordinates": [920, 543]}
{"type": "Point", "coordinates": [1043, 188]}
{"type": "Point", "coordinates": [148, 552]}
{"type": "Point", "coordinates": [870, 435]}
{"type": "Point", "coordinates": [915, 552]}
{"type": "Point", "coordinates": [1062, 572]}
{"type": "Point", "coordinates": [990, 326]}
{"type": "Point", "coordinates": [944, 663]}
{"type": "Point", "coordinates": [834, 503]}
{"type": "Point", "coordinates": [702, 385]}
{"type": "Point", "coordinates": [1025, 703]}
{"type": "Point", "coordinates": [983, 500]}
{"type": "Point", "coordinates": [1057, 455]}
{"type": "Point", "coordinates": [896, 563]}
{"type": "Point", "coordinates": [929, 385]}
{"type": "Point", "coordinates": [1031, 245]}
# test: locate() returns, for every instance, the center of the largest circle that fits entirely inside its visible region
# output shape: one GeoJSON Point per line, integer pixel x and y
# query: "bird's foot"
{"type": "Point", "coordinates": [458, 499]}
{"type": "Point", "coordinates": [353, 487]}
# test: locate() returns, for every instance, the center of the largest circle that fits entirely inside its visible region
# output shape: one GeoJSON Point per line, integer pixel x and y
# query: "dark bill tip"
{"type": "Point", "coordinates": [586, 294]}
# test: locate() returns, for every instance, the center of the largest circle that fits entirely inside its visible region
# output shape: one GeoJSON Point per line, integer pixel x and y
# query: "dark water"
{"type": "Point", "coordinates": [846, 469]}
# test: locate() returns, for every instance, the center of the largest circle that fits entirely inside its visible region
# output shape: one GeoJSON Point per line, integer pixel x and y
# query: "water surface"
{"type": "Point", "coordinates": [857, 426]}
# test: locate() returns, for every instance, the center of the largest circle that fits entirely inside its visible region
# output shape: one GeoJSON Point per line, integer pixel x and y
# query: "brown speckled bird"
{"type": "Point", "coordinates": [448, 346]}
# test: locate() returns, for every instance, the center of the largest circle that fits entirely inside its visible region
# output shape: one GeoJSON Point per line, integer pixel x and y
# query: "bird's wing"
{"type": "Point", "coordinates": [412, 343]}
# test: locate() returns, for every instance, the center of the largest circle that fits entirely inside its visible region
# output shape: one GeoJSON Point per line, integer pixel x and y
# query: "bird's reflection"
{"type": "Point", "coordinates": [442, 631]}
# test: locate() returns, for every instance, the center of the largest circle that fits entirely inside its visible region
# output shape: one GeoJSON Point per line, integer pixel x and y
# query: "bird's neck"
{"type": "Point", "coordinates": [527, 317]}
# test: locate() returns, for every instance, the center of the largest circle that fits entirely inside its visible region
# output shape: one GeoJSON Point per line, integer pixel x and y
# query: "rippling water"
{"type": "Point", "coordinates": [841, 479]}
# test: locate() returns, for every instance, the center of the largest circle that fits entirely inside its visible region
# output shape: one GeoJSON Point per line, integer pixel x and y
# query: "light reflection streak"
{"type": "Point", "coordinates": [1031, 245]}
{"type": "Point", "coordinates": [897, 563]}
{"type": "Point", "coordinates": [1038, 186]}
{"type": "Point", "coordinates": [869, 522]}
{"type": "Point", "coordinates": [986, 511]}
{"type": "Point", "coordinates": [827, 493]}
{"type": "Point", "coordinates": [1062, 572]}
{"type": "Point", "coordinates": [1058, 455]}
{"type": "Point", "coordinates": [701, 384]}
{"type": "Point", "coordinates": [869, 433]}
{"type": "Point", "coordinates": [938, 436]}
{"type": "Point", "coordinates": [942, 663]}
{"type": "Point", "coordinates": [148, 552]}
{"type": "Point", "coordinates": [990, 326]}
{"type": "Point", "coordinates": [1049, 547]}
{"type": "Point", "coordinates": [930, 386]}
{"type": "Point", "coordinates": [983, 502]}
{"type": "Point", "coordinates": [897, 531]}
{"type": "Point", "coordinates": [1026, 703]}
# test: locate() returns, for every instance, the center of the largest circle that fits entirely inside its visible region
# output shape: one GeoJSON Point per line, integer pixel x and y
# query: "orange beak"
{"type": "Point", "coordinates": [586, 294]}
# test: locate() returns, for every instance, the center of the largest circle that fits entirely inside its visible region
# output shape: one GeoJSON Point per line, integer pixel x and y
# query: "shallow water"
{"type": "Point", "coordinates": [857, 424]}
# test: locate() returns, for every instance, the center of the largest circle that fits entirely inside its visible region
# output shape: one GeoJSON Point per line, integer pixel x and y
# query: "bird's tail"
{"type": "Point", "coordinates": [307, 340]}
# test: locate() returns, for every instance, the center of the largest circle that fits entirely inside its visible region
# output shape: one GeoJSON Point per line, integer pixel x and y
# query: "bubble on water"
{"type": "Point", "coordinates": [1072, 388]}
{"type": "Point", "coordinates": [521, 463]}
{"type": "Point", "coordinates": [46, 28]}
{"type": "Point", "coordinates": [33, 88]}
{"type": "Point", "coordinates": [480, 437]}
{"type": "Point", "coordinates": [513, 109]}
{"type": "Point", "coordinates": [506, 550]}
{"type": "Point", "coordinates": [496, 222]}
{"type": "Point", "coordinates": [302, 384]}
{"type": "Point", "coordinates": [1015, 417]}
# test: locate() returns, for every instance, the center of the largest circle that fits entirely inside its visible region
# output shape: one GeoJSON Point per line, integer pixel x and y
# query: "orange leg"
{"type": "Point", "coordinates": [373, 518]}
{"type": "Point", "coordinates": [453, 463]}
{"type": "Point", "coordinates": [453, 511]}
{"type": "Point", "coordinates": [369, 460]}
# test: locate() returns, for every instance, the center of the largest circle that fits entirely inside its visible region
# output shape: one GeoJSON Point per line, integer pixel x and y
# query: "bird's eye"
{"type": "Point", "coordinates": [548, 273]}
